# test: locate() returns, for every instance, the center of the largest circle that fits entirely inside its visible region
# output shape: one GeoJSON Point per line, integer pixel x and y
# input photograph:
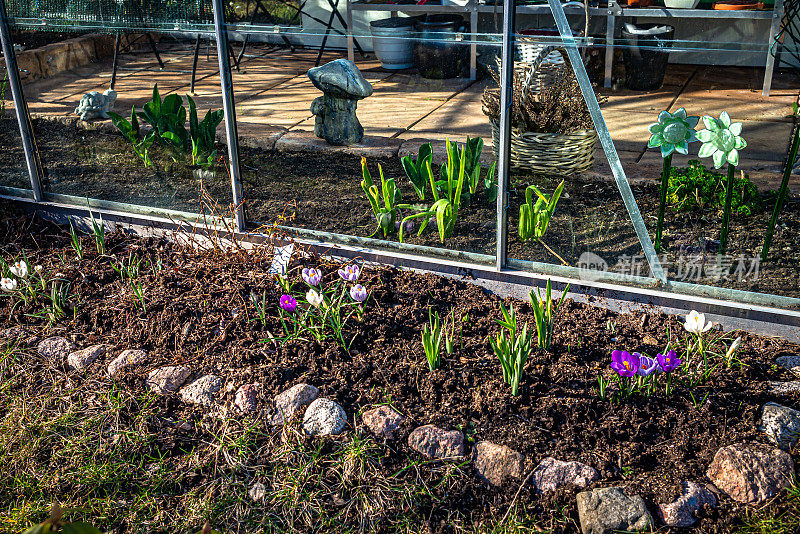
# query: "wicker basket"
{"type": "Point", "coordinates": [547, 60]}
{"type": "Point", "coordinates": [549, 153]}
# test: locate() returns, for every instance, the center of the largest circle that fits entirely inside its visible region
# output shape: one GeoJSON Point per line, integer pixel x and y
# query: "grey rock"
{"type": "Point", "coordinates": [12, 334]}
{"type": "Point", "coordinates": [784, 388]}
{"type": "Point", "coordinates": [247, 398]}
{"type": "Point", "coordinates": [382, 421]}
{"type": "Point", "coordinates": [681, 512]}
{"type": "Point", "coordinates": [202, 391]}
{"type": "Point", "coordinates": [95, 105]}
{"type": "Point", "coordinates": [606, 510]}
{"type": "Point", "coordinates": [55, 349]}
{"type": "Point", "coordinates": [552, 474]}
{"type": "Point", "coordinates": [790, 363]}
{"type": "Point", "coordinates": [781, 424]}
{"type": "Point", "coordinates": [324, 417]}
{"type": "Point", "coordinates": [165, 380]}
{"type": "Point", "coordinates": [335, 112]}
{"type": "Point", "coordinates": [433, 442]}
{"type": "Point", "coordinates": [751, 473]}
{"type": "Point", "coordinates": [497, 463]}
{"type": "Point", "coordinates": [126, 358]}
{"type": "Point", "coordinates": [257, 492]}
{"type": "Point", "coordinates": [290, 401]}
{"type": "Point", "coordinates": [81, 359]}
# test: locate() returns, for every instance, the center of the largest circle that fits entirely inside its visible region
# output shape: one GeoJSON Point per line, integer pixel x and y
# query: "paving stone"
{"type": "Point", "coordinates": [784, 388]}
{"type": "Point", "coordinates": [55, 349]}
{"type": "Point", "coordinates": [497, 463]}
{"type": "Point", "coordinates": [750, 473]}
{"type": "Point", "coordinates": [781, 424]}
{"type": "Point", "coordinates": [606, 510]}
{"type": "Point", "coordinates": [165, 380]}
{"type": "Point", "coordinates": [247, 398]}
{"type": "Point", "coordinates": [552, 474]}
{"type": "Point", "coordinates": [382, 421]}
{"type": "Point", "coordinates": [433, 442]}
{"type": "Point", "coordinates": [81, 359]}
{"type": "Point", "coordinates": [790, 363]}
{"type": "Point", "coordinates": [202, 391]}
{"type": "Point", "coordinates": [126, 358]}
{"type": "Point", "coordinates": [681, 512]}
{"type": "Point", "coordinates": [288, 402]}
{"type": "Point", "coordinates": [324, 417]}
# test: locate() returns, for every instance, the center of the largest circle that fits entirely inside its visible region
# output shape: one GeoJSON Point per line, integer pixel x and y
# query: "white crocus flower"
{"type": "Point", "coordinates": [314, 298]}
{"type": "Point", "coordinates": [19, 269]}
{"type": "Point", "coordinates": [8, 284]}
{"type": "Point", "coordinates": [696, 323]}
{"type": "Point", "coordinates": [733, 348]}
{"type": "Point", "coordinates": [38, 269]}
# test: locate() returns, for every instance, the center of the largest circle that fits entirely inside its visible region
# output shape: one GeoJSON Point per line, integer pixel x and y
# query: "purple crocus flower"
{"type": "Point", "coordinates": [647, 366]}
{"type": "Point", "coordinates": [358, 292]}
{"type": "Point", "coordinates": [312, 276]}
{"type": "Point", "coordinates": [669, 361]}
{"type": "Point", "coordinates": [350, 273]}
{"type": "Point", "coordinates": [288, 303]}
{"type": "Point", "coordinates": [624, 363]}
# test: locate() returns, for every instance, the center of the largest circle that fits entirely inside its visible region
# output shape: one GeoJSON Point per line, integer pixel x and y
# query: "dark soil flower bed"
{"type": "Point", "coordinates": [131, 460]}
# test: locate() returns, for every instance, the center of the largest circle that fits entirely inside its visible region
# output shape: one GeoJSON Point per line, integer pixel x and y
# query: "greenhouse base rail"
{"type": "Point", "coordinates": [507, 283]}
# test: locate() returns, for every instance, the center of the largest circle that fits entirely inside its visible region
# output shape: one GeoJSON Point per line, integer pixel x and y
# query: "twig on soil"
{"type": "Point", "coordinates": [516, 495]}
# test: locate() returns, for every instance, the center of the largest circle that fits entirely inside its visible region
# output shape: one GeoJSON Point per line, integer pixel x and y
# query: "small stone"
{"type": "Point", "coordinates": [649, 340]}
{"type": "Point", "coordinates": [552, 474]}
{"type": "Point", "coordinates": [606, 510]}
{"type": "Point", "coordinates": [167, 380]}
{"type": "Point", "coordinates": [497, 463]}
{"type": "Point", "coordinates": [55, 349]}
{"type": "Point", "coordinates": [81, 359]}
{"type": "Point", "coordinates": [433, 442]}
{"type": "Point", "coordinates": [288, 402]}
{"type": "Point", "coordinates": [790, 363]}
{"type": "Point", "coordinates": [382, 421]}
{"type": "Point", "coordinates": [202, 391]}
{"type": "Point", "coordinates": [751, 473]}
{"type": "Point", "coordinates": [681, 513]}
{"type": "Point", "coordinates": [324, 417]}
{"type": "Point", "coordinates": [781, 424]}
{"type": "Point", "coordinates": [784, 388]}
{"type": "Point", "coordinates": [257, 492]}
{"type": "Point", "coordinates": [126, 358]}
{"type": "Point", "coordinates": [247, 398]}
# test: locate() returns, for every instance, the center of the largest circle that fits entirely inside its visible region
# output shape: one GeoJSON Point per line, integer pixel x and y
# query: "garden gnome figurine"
{"type": "Point", "coordinates": [95, 105]}
{"type": "Point", "coordinates": [343, 86]}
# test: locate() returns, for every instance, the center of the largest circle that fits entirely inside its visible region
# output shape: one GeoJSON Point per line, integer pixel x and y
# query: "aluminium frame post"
{"type": "Point", "coordinates": [21, 107]}
{"type": "Point", "coordinates": [228, 103]}
{"type": "Point", "coordinates": [610, 150]}
{"type": "Point", "coordinates": [504, 150]}
{"type": "Point", "coordinates": [774, 27]}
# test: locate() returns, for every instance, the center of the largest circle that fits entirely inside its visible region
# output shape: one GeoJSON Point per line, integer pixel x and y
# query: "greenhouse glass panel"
{"type": "Point", "coordinates": [14, 178]}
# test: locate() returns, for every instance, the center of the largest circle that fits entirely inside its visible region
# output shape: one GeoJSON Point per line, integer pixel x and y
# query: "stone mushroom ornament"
{"type": "Point", "coordinates": [343, 86]}
{"type": "Point", "coordinates": [95, 105]}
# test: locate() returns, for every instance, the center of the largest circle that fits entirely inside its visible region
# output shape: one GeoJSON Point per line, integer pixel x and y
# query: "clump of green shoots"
{"type": "Point", "coordinates": [99, 233]}
{"type": "Point", "coordinates": [76, 243]}
{"type": "Point", "coordinates": [512, 347]}
{"type": "Point", "coordinates": [432, 334]}
{"type": "Point", "coordinates": [544, 309]}
{"type": "Point", "coordinates": [534, 217]}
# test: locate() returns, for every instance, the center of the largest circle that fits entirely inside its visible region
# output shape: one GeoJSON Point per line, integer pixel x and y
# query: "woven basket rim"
{"type": "Point", "coordinates": [518, 131]}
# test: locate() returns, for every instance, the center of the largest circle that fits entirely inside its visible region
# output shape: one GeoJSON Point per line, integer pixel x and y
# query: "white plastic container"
{"type": "Point", "coordinates": [681, 4]}
{"type": "Point", "coordinates": [392, 42]}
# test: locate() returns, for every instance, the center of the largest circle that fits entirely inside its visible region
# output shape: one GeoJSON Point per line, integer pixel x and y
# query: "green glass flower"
{"type": "Point", "coordinates": [673, 132]}
{"type": "Point", "coordinates": [721, 140]}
